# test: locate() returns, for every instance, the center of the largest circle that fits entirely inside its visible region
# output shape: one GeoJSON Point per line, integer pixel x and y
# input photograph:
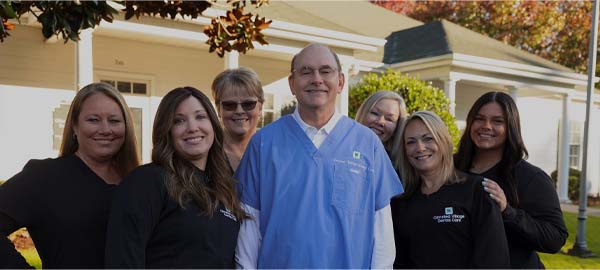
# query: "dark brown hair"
{"type": "Point", "coordinates": [514, 148]}
{"type": "Point", "coordinates": [182, 183]}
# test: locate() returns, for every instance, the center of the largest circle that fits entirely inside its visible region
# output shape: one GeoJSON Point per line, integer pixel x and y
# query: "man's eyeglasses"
{"type": "Point", "coordinates": [306, 72]}
{"type": "Point", "coordinates": [232, 105]}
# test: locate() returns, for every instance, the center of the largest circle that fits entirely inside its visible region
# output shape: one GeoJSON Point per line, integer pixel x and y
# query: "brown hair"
{"type": "Point", "coordinates": [182, 183]}
{"type": "Point", "coordinates": [126, 159]}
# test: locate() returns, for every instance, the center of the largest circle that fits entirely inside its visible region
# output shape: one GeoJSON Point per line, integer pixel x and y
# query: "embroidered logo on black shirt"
{"type": "Point", "coordinates": [228, 214]}
{"type": "Point", "coordinates": [449, 216]}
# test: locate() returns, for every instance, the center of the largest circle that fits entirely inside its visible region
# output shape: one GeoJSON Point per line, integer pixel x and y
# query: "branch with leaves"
{"type": "Point", "coordinates": [234, 31]}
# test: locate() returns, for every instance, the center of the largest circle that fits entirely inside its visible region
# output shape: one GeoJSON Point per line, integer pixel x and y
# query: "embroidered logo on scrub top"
{"type": "Point", "coordinates": [356, 155]}
{"type": "Point", "coordinates": [449, 216]}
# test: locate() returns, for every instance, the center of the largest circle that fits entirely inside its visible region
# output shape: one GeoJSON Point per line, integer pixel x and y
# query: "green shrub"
{"type": "Point", "coordinates": [574, 176]}
{"type": "Point", "coordinates": [288, 108]}
{"type": "Point", "coordinates": [2, 182]}
{"type": "Point", "coordinates": [417, 94]}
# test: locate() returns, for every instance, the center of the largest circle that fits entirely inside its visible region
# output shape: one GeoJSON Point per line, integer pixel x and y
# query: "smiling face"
{"type": "Point", "coordinates": [192, 132]}
{"type": "Point", "coordinates": [488, 130]}
{"type": "Point", "coordinates": [237, 116]}
{"type": "Point", "coordinates": [100, 128]}
{"type": "Point", "coordinates": [383, 118]}
{"type": "Point", "coordinates": [422, 150]}
{"type": "Point", "coordinates": [315, 79]}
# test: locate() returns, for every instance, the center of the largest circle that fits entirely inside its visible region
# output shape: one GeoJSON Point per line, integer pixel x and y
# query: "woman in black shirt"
{"type": "Point", "coordinates": [181, 210]}
{"type": "Point", "coordinates": [492, 147]}
{"type": "Point", "coordinates": [64, 202]}
{"type": "Point", "coordinates": [444, 219]}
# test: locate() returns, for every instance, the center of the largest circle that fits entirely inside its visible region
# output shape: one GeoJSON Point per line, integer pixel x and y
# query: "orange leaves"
{"type": "Point", "coordinates": [235, 31]}
{"type": "Point", "coordinates": [4, 28]}
{"type": "Point", "coordinates": [555, 30]}
{"type": "Point", "coordinates": [7, 25]}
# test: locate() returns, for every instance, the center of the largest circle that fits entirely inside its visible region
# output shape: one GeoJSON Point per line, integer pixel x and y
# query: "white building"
{"type": "Point", "coordinates": [146, 58]}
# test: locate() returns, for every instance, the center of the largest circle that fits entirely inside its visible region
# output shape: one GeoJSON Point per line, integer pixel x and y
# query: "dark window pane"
{"type": "Point", "coordinates": [124, 87]}
{"type": "Point", "coordinates": [109, 82]}
{"type": "Point", "coordinates": [267, 118]}
{"type": "Point", "coordinates": [139, 88]}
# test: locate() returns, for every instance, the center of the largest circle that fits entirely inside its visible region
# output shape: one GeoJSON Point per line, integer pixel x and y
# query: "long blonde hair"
{"type": "Point", "coordinates": [392, 145]}
{"type": "Point", "coordinates": [441, 136]}
{"type": "Point", "coordinates": [182, 183]}
{"type": "Point", "coordinates": [126, 159]}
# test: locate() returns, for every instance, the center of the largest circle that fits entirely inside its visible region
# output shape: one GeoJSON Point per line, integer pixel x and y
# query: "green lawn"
{"type": "Point", "coordinates": [32, 257]}
{"type": "Point", "coordinates": [563, 261]}
{"type": "Point", "coordinates": [551, 261]}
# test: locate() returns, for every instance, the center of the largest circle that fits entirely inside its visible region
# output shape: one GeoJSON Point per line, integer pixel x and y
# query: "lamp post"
{"type": "Point", "coordinates": [580, 247]}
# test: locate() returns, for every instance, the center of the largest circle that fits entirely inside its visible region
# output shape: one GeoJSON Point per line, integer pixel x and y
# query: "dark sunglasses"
{"type": "Point", "coordinates": [232, 105]}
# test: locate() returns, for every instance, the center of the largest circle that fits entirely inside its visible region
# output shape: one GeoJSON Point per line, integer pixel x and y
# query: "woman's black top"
{"type": "Point", "coordinates": [64, 206]}
{"type": "Point", "coordinates": [458, 226]}
{"type": "Point", "coordinates": [536, 224]}
{"type": "Point", "coordinates": [148, 229]}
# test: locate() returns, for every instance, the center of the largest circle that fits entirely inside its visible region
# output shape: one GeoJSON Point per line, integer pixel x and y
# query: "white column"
{"type": "Point", "coordinates": [563, 152]}
{"type": "Point", "coordinates": [513, 92]}
{"type": "Point", "coordinates": [450, 90]}
{"type": "Point", "coordinates": [84, 59]}
{"type": "Point", "coordinates": [232, 60]}
{"type": "Point", "coordinates": [344, 97]}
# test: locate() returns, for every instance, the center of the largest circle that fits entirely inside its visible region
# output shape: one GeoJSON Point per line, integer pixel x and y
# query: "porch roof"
{"type": "Point", "coordinates": [443, 37]}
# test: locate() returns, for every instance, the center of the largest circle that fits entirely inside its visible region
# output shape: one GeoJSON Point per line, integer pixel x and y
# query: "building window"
{"type": "Point", "coordinates": [128, 87]}
{"type": "Point", "coordinates": [575, 139]}
{"type": "Point", "coordinates": [132, 87]}
{"type": "Point", "coordinates": [268, 111]}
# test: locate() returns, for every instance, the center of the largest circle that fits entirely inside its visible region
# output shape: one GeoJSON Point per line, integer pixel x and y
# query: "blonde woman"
{"type": "Point", "coordinates": [384, 113]}
{"type": "Point", "coordinates": [444, 219]}
{"type": "Point", "coordinates": [239, 97]}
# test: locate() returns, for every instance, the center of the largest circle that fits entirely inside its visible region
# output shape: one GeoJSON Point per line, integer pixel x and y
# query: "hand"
{"type": "Point", "coordinates": [496, 193]}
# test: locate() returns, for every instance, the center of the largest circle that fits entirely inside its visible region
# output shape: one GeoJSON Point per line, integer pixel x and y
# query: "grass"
{"type": "Point", "coordinates": [32, 257]}
{"type": "Point", "coordinates": [564, 261]}
{"type": "Point", "coordinates": [551, 261]}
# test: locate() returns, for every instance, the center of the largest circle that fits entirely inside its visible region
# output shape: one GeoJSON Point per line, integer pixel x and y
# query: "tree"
{"type": "Point", "coordinates": [555, 30]}
{"type": "Point", "coordinates": [234, 31]}
{"type": "Point", "coordinates": [417, 94]}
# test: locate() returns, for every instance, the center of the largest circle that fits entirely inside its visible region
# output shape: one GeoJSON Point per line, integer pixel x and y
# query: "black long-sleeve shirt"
{"type": "Point", "coordinates": [148, 229]}
{"type": "Point", "coordinates": [537, 223]}
{"type": "Point", "coordinates": [64, 206]}
{"type": "Point", "coordinates": [458, 226]}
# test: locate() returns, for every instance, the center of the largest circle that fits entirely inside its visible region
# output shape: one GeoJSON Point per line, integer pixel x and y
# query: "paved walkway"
{"type": "Point", "coordinates": [573, 208]}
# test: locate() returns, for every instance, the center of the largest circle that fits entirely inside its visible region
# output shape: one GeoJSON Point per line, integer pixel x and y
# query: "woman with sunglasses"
{"type": "Point", "coordinates": [239, 96]}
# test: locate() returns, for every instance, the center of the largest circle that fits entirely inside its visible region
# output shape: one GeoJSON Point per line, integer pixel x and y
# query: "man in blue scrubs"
{"type": "Point", "coordinates": [316, 183]}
